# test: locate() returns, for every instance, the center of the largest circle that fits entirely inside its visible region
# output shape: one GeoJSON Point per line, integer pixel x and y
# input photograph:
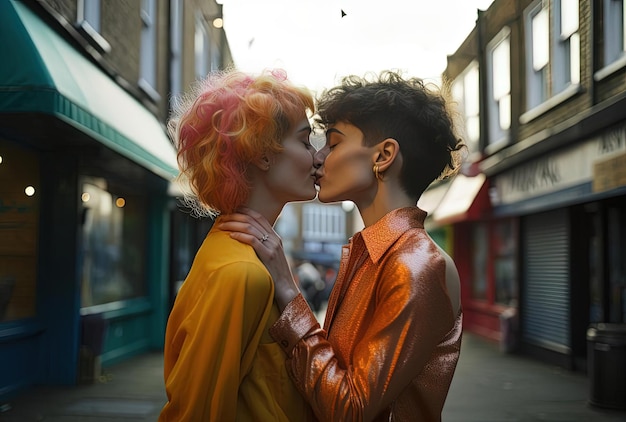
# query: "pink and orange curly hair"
{"type": "Point", "coordinates": [225, 123]}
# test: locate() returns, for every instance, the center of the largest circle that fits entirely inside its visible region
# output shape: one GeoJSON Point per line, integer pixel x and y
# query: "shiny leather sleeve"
{"type": "Point", "coordinates": [409, 315]}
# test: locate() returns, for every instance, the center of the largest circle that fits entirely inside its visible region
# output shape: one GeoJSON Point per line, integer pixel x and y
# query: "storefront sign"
{"type": "Point", "coordinates": [609, 173]}
{"type": "Point", "coordinates": [595, 159]}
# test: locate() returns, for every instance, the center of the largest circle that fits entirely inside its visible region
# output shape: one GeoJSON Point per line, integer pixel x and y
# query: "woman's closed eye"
{"type": "Point", "coordinates": [307, 144]}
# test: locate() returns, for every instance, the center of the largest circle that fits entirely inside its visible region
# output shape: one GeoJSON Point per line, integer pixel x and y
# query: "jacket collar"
{"type": "Point", "coordinates": [381, 235]}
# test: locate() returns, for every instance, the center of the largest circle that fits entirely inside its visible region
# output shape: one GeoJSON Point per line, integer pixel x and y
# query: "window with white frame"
{"type": "Point", "coordinates": [216, 57]}
{"type": "Point", "coordinates": [553, 52]}
{"type": "Point", "coordinates": [89, 11]}
{"type": "Point", "coordinates": [148, 55]}
{"type": "Point", "coordinates": [566, 42]}
{"type": "Point", "coordinates": [88, 21]}
{"type": "Point", "coordinates": [614, 32]}
{"type": "Point", "coordinates": [323, 222]}
{"type": "Point", "coordinates": [201, 48]}
{"type": "Point", "coordinates": [499, 87]}
{"type": "Point", "coordinates": [176, 42]}
{"type": "Point", "coordinates": [465, 91]}
{"type": "Point", "coordinates": [538, 41]}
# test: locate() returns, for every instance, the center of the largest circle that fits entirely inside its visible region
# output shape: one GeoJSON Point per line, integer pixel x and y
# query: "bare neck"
{"type": "Point", "coordinates": [265, 204]}
{"type": "Point", "coordinates": [388, 197]}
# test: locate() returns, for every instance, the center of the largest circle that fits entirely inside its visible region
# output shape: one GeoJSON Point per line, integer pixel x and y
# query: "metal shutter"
{"type": "Point", "coordinates": [545, 286]}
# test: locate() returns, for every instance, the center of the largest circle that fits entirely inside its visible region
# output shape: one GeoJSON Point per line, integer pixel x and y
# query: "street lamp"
{"type": "Point", "coordinates": [218, 22]}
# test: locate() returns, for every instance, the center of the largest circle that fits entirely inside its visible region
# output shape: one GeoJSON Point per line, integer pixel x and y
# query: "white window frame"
{"type": "Point", "coordinates": [566, 45]}
{"type": "Point", "coordinates": [549, 47]}
{"type": "Point", "coordinates": [323, 222]}
{"type": "Point", "coordinates": [614, 55]}
{"type": "Point", "coordinates": [499, 88]}
{"type": "Point", "coordinates": [201, 48]}
{"type": "Point", "coordinates": [466, 92]}
{"type": "Point", "coordinates": [148, 52]}
{"type": "Point", "coordinates": [536, 21]}
{"type": "Point", "coordinates": [216, 57]}
{"type": "Point", "coordinates": [176, 45]}
{"type": "Point", "coordinates": [89, 22]}
{"type": "Point", "coordinates": [88, 11]}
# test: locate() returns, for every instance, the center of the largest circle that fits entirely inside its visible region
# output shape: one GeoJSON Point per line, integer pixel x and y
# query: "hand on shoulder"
{"type": "Point", "coordinates": [250, 227]}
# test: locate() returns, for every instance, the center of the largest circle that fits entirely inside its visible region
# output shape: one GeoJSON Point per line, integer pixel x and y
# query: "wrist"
{"type": "Point", "coordinates": [284, 295]}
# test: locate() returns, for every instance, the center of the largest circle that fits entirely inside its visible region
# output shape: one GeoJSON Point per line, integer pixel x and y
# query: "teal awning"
{"type": "Point", "coordinates": [40, 72]}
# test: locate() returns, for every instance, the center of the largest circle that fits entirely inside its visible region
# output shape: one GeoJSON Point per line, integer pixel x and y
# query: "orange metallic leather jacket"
{"type": "Point", "coordinates": [391, 340]}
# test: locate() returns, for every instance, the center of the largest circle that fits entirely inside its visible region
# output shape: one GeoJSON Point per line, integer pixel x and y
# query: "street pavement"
{"type": "Point", "coordinates": [131, 391]}
{"type": "Point", "coordinates": [489, 386]}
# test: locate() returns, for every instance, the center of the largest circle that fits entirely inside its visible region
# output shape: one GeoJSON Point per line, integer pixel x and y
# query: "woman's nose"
{"type": "Point", "coordinates": [320, 156]}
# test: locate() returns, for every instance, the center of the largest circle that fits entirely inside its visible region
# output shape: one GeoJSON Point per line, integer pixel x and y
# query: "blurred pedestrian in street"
{"type": "Point", "coordinates": [242, 140]}
{"type": "Point", "coordinates": [311, 284]}
{"type": "Point", "coordinates": [392, 332]}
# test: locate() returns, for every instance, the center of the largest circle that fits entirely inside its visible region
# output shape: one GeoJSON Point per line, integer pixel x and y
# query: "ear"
{"type": "Point", "coordinates": [262, 163]}
{"type": "Point", "coordinates": [386, 153]}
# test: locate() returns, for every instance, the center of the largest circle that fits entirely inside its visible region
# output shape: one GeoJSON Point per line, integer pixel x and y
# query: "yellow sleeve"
{"type": "Point", "coordinates": [217, 337]}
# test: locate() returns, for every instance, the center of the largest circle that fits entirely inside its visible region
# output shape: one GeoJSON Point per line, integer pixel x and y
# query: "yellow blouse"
{"type": "Point", "coordinates": [391, 340]}
{"type": "Point", "coordinates": [220, 364]}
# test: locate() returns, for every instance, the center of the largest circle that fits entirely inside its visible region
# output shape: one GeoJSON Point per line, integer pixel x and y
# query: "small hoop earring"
{"type": "Point", "coordinates": [376, 173]}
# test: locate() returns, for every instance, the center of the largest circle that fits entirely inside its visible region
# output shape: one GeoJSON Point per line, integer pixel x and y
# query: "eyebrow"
{"type": "Point", "coordinates": [304, 128]}
{"type": "Point", "coordinates": [333, 130]}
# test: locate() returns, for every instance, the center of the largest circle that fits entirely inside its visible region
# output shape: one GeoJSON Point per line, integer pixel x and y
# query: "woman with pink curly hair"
{"type": "Point", "coordinates": [243, 141]}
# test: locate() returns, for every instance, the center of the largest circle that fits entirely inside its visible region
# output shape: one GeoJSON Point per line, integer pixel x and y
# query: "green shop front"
{"type": "Point", "coordinates": [84, 213]}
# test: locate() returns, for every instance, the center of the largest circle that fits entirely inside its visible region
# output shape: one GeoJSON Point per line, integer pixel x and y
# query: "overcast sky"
{"type": "Point", "coordinates": [316, 45]}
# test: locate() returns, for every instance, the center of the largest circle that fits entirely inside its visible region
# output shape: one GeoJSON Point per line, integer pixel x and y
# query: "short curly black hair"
{"type": "Point", "coordinates": [416, 114]}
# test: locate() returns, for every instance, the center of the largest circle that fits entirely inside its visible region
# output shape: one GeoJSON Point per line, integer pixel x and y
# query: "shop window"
{"type": "Point", "coordinates": [616, 251]}
{"type": "Point", "coordinates": [19, 231]}
{"type": "Point", "coordinates": [504, 261]}
{"type": "Point", "coordinates": [113, 245]}
{"type": "Point", "coordinates": [607, 266]}
{"type": "Point", "coordinates": [480, 242]}
{"type": "Point", "coordinates": [596, 267]}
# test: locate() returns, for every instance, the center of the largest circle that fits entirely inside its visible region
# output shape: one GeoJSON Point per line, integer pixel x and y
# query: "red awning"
{"type": "Point", "coordinates": [466, 199]}
{"type": "Point", "coordinates": [431, 198]}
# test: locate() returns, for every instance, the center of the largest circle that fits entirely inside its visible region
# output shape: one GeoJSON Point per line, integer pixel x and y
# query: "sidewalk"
{"type": "Point", "coordinates": [489, 386]}
{"type": "Point", "coordinates": [129, 392]}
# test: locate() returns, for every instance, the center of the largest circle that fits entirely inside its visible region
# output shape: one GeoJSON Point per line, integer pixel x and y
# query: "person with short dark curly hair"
{"type": "Point", "coordinates": [410, 111]}
{"type": "Point", "coordinates": [243, 140]}
{"type": "Point", "coordinates": [392, 332]}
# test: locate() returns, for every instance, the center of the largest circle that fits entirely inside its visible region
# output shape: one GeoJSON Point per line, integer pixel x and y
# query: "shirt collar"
{"type": "Point", "coordinates": [381, 235]}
